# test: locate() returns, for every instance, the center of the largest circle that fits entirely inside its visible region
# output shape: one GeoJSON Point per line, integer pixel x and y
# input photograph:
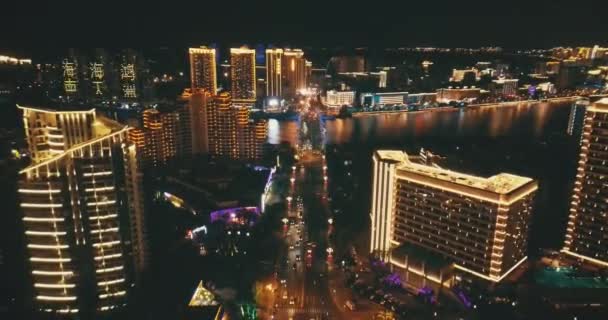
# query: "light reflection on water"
{"type": "Point", "coordinates": [525, 120]}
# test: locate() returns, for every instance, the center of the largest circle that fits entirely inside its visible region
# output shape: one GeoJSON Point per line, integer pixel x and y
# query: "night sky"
{"type": "Point", "coordinates": [31, 27]}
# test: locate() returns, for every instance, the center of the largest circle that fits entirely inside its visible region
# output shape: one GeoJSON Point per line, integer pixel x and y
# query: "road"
{"type": "Point", "coordinates": [305, 264]}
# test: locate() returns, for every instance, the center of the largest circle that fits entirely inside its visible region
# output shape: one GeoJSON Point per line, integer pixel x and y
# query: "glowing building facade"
{"type": "Point", "coordinates": [242, 75]}
{"type": "Point", "coordinates": [165, 135]}
{"type": "Point", "coordinates": [49, 133]}
{"type": "Point", "coordinates": [198, 104]}
{"type": "Point", "coordinates": [82, 214]}
{"type": "Point", "coordinates": [478, 224]}
{"type": "Point", "coordinates": [203, 69]}
{"type": "Point", "coordinates": [273, 72]}
{"type": "Point", "coordinates": [588, 223]}
{"type": "Point", "coordinates": [294, 71]}
{"type": "Point", "coordinates": [232, 133]}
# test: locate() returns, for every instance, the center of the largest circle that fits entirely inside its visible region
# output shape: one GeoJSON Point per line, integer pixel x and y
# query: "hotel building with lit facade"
{"type": "Point", "coordinates": [588, 220]}
{"type": "Point", "coordinates": [479, 226]}
{"type": "Point", "coordinates": [203, 69]}
{"type": "Point", "coordinates": [242, 76]}
{"type": "Point", "coordinates": [82, 211]}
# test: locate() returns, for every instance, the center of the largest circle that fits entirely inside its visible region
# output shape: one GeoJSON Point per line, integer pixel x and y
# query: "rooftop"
{"type": "Point", "coordinates": [599, 106]}
{"type": "Point", "coordinates": [64, 109]}
{"type": "Point", "coordinates": [502, 183]}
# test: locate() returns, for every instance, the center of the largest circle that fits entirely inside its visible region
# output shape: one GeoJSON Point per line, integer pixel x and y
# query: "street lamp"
{"type": "Point", "coordinates": [289, 198]}
{"type": "Point", "coordinates": [285, 220]}
{"type": "Point", "coordinates": [330, 221]}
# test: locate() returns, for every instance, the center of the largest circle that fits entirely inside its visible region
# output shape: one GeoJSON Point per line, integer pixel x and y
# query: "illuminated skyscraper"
{"type": "Point", "coordinates": [165, 135]}
{"type": "Point", "coordinates": [222, 128]}
{"type": "Point", "coordinates": [232, 133]}
{"type": "Point", "coordinates": [250, 134]}
{"type": "Point", "coordinates": [242, 75]}
{"type": "Point", "coordinates": [294, 71]}
{"type": "Point", "coordinates": [198, 106]}
{"type": "Point", "coordinates": [588, 223]}
{"type": "Point", "coordinates": [82, 213]}
{"type": "Point", "coordinates": [479, 224]}
{"type": "Point", "coordinates": [203, 70]}
{"type": "Point", "coordinates": [273, 72]}
{"type": "Point", "coordinates": [576, 119]}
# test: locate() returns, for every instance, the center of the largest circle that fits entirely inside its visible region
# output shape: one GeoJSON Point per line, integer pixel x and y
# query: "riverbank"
{"type": "Point", "coordinates": [472, 106]}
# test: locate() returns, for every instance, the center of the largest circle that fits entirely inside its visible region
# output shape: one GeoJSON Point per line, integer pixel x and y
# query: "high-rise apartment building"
{"type": "Point", "coordinates": [232, 132]}
{"type": "Point", "coordinates": [198, 104]}
{"type": "Point", "coordinates": [576, 119]}
{"type": "Point", "coordinates": [242, 75]}
{"type": "Point", "coordinates": [82, 212]}
{"type": "Point", "coordinates": [222, 129]}
{"type": "Point", "coordinates": [478, 224]}
{"type": "Point", "coordinates": [273, 72]}
{"type": "Point", "coordinates": [294, 71]}
{"type": "Point", "coordinates": [165, 134]}
{"type": "Point", "coordinates": [203, 69]}
{"type": "Point", "coordinates": [588, 224]}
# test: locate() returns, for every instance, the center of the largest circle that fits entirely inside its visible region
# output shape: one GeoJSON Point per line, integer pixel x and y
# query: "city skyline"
{"type": "Point", "coordinates": [306, 165]}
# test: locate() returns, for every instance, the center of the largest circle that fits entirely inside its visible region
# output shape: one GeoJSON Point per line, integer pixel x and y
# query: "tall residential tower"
{"type": "Point", "coordinates": [587, 230]}
{"type": "Point", "coordinates": [294, 71]}
{"type": "Point", "coordinates": [203, 70]}
{"type": "Point", "coordinates": [273, 72]}
{"type": "Point", "coordinates": [242, 77]}
{"type": "Point", "coordinates": [82, 211]}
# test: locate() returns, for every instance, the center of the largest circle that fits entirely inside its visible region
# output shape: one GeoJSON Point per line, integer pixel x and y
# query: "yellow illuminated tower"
{"type": "Point", "coordinates": [198, 102]}
{"type": "Point", "coordinates": [478, 224]}
{"type": "Point", "coordinates": [203, 69]}
{"type": "Point", "coordinates": [165, 135]}
{"type": "Point", "coordinates": [82, 211]}
{"type": "Point", "coordinates": [294, 71]}
{"type": "Point", "coordinates": [242, 74]}
{"type": "Point", "coordinates": [221, 124]}
{"type": "Point", "coordinates": [588, 223]}
{"type": "Point", "coordinates": [232, 133]}
{"type": "Point", "coordinates": [273, 72]}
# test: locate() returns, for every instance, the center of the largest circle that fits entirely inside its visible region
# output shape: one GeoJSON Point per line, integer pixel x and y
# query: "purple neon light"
{"type": "Point", "coordinates": [230, 214]}
{"type": "Point", "coordinates": [464, 299]}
